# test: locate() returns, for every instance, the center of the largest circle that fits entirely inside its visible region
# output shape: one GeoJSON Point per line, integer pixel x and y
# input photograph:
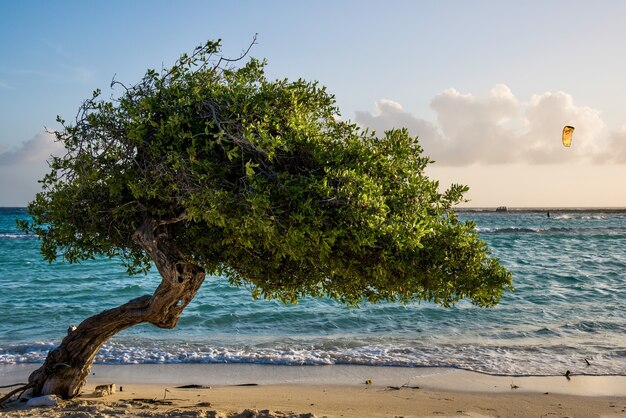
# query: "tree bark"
{"type": "Point", "coordinates": [66, 368]}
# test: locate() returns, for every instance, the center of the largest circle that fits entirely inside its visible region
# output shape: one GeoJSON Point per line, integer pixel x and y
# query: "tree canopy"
{"type": "Point", "coordinates": [261, 181]}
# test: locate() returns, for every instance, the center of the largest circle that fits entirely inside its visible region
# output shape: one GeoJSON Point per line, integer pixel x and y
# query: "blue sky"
{"type": "Point", "coordinates": [487, 85]}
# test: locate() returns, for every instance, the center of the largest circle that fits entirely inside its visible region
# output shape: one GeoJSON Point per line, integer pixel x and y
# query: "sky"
{"type": "Point", "coordinates": [486, 85]}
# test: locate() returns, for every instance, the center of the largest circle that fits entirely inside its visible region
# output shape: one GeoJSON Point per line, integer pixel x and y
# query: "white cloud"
{"type": "Point", "coordinates": [616, 148]}
{"type": "Point", "coordinates": [35, 151]}
{"type": "Point", "coordinates": [476, 130]}
{"type": "Point", "coordinates": [547, 113]}
{"type": "Point", "coordinates": [499, 129]}
{"type": "Point", "coordinates": [21, 168]}
{"type": "Point", "coordinates": [389, 114]}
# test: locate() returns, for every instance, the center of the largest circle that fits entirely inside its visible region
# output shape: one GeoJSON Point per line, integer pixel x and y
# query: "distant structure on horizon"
{"type": "Point", "coordinates": [501, 209]}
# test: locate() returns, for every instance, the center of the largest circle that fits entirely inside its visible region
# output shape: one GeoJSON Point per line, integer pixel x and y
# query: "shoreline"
{"type": "Point", "coordinates": [332, 391]}
{"type": "Point", "coordinates": [556, 209]}
{"type": "Point", "coordinates": [434, 378]}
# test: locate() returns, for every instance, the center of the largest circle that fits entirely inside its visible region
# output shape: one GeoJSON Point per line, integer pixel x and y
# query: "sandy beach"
{"type": "Point", "coordinates": [231, 390]}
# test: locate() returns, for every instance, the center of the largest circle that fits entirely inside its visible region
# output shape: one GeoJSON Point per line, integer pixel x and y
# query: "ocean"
{"type": "Point", "coordinates": [568, 311]}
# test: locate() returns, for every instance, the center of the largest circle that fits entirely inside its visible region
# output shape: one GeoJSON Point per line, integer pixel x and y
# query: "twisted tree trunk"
{"type": "Point", "coordinates": [67, 367]}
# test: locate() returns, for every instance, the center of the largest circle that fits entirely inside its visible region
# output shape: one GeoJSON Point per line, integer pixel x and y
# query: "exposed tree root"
{"type": "Point", "coordinates": [14, 384]}
{"type": "Point", "coordinates": [21, 389]}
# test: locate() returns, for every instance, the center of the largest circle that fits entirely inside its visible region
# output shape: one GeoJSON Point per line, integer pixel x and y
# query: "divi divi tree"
{"type": "Point", "coordinates": [208, 168]}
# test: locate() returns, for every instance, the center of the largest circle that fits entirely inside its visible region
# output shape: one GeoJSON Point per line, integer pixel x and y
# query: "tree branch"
{"type": "Point", "coordinates": [179, 218]}
{"type": "Point", "coordinates": [242, 56]}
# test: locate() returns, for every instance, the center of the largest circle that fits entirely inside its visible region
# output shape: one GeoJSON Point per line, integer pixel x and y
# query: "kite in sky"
{"type": "Point", "coordinates": [568, 131]}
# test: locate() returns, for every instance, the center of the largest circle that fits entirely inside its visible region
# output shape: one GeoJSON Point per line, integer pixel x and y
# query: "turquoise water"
{"type": "Point", "coordinates": [569, 305]}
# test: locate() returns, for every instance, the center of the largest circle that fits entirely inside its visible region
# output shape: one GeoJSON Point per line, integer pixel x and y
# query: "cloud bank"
{"type": "Point", "coordinates": [35, 151]}
{"type": "Point", "coordinates": [21, 167]}
{"type": "Point", "coordinates": [499, 129]}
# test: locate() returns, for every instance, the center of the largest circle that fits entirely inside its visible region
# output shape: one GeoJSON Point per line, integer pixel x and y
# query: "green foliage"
{"type": "Point", "coordinates": [260, 180]}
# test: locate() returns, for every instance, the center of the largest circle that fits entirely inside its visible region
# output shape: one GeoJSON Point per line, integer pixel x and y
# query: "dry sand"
{"type": "Point", "coordinates": [330, 391]}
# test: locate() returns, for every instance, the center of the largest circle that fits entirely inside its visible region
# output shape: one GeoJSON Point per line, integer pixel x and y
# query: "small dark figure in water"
{"type": "Point", "coordinates": [548, 214]}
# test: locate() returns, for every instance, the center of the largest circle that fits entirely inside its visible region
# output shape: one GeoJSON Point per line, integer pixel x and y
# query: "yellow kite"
{"type": "Point", "coordinates": [568, 131]}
